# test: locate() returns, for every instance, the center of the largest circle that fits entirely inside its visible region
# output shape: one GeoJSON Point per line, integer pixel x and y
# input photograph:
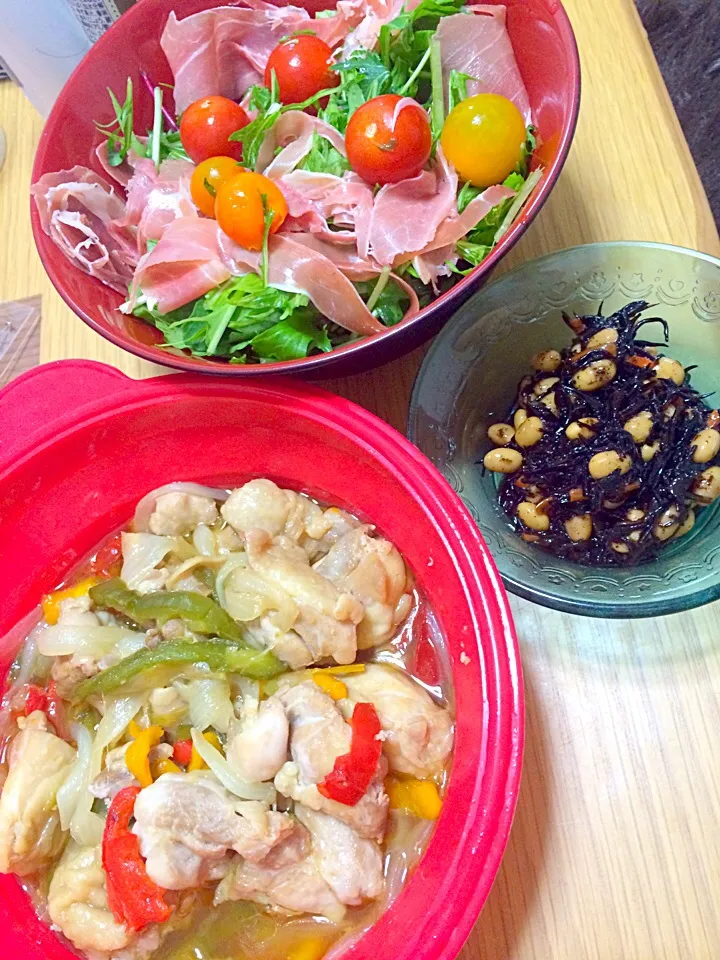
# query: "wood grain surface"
{"type": "Point", "coordinates": [615, 850]}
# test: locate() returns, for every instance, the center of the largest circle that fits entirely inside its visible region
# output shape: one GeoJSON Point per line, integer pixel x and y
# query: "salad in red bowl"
{"type": "Point", "coordinates": [307, 181]}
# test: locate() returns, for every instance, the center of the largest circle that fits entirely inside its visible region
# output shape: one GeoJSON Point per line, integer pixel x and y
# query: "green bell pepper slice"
{"type": "Point", "coordinates": [220, 656]}
{"type": "Point", "coordinates": [200, 614]}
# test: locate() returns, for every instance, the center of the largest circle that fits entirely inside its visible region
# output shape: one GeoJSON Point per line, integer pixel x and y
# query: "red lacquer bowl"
{"type": "Point", "coordinates": [68, 479]}
{"type": "Point", "coordinates": [545, 48]}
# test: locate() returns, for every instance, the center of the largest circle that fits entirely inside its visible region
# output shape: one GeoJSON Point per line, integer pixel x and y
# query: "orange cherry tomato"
{"type": "Point", "coordinates": [239, 208]}
{"type": "Point", "coordinates": [302, 68]}
{"type": "Point", "coordinates": [383, 151]}
{"type": "Point", "coordinates": [207, 179]}
{"type": "Point", "coordinates": [206, 126]}
{"type": "Point", "coordinates": [483, 138]}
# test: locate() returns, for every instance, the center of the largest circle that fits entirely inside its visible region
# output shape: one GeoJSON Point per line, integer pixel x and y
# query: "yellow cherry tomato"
{"type": "Point", "coordinates": [483, 138]}
{"type": "Point", "coordinates": [239, 208]}
{"type": "Point", "coordinates": [207, 178]}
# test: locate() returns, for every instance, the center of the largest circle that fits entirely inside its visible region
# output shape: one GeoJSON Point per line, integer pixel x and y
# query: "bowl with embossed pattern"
{"type": "Point", "coordinates": [469, 380]}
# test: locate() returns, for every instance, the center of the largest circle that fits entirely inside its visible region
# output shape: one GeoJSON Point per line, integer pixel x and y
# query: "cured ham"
{"type": "Point", "coordinates": [293, 135]}
{"type": "Point", "coordinates": [454, 227]}
{"type": "Point", "coordinates": [185, 265]}
{"type": "Point", "coordinates": [406, 215]}
{"type": "Point", "coordinates": [478, 44]}
{"type": "Point", "coordinates": [298, 268]}
{"type": "Point", "coordinates": [224, 50]}
{"type": "Point", "coordinates": [156, 198]}
{"type": "Point", "coordinates": [78, 210]}
{"type": "Point", "coordinates": [315, 198]}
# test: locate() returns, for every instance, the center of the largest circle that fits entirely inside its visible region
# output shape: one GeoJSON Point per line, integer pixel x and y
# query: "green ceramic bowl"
{"type": "Point", "coordinates": [469, 378]}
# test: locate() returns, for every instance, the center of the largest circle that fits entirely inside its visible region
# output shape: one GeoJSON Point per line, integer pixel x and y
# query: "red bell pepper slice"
{"type": "Point", "coordinates": [35, 699]}
{"type": "Point", "coordinates": [108, 560]}
{"type": "Point", "coordinates": [134, 899]}
{"type": "Point", "coordinates": [350, 777]}
{"type": "Point", "coordinates": [182, 751]}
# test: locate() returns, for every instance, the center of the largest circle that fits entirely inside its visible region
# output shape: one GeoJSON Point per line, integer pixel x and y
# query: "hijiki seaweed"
{"type": "Point", "coordinates": [610, 449]}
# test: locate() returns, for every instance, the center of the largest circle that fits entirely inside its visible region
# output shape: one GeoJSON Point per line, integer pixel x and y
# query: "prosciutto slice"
{"type": "Point", "coordinates": [185, 265]}
{"type": "Point", "coordinates": [478, 44]}
{"type": "Point", "coordinates": [156, 198]}
{"type": "Point", "coordinates": [406, 215]}
{"type": "Point", "coordinates": [315, 198]}
{"type": "Point", "coordinates": [78, 210]}
{"type": "Point", "coordinates": [224, 50]}
{"type": "Point", "coordinates": [297, 268]}
{"type": "Point", "coordinates": [294, 132]}
{"type": "Point", "coordinates": [193, 256]}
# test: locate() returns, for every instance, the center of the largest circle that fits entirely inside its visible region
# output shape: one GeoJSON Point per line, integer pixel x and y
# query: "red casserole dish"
{"type": "Point", "coordinates": [68, 479]}
{"type": "Point", "coordinates": [545, 49]}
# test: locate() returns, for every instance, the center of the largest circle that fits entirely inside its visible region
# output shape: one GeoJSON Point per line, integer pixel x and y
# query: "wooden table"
{"type": "Point", "coordinates": [615, 850]}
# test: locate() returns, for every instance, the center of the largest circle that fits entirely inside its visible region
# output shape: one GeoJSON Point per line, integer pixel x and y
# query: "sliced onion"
{"type": "Point", "coordinates": [232, 562]}
{"type": "Point", "coordinates": [145, 507]}
{"type": "Point", "coordinates": [248, 595]}
{"type": "Point", "coordinates": [142, 552]}
{"type": "Point", "coordinates": [69, 792]}
{"type": "Point", "coordinates": [87, 827]}
{"type": "Point", "coordinates": [204, 540]}
{"type": "Point", "coordinates": [209, 703]}
{"type": "Point", "coordinates": [227, 776]}
{"type": "Point", "coordinates": [189, 565]}
{"type": "Point", "coordinates": [64, 640]}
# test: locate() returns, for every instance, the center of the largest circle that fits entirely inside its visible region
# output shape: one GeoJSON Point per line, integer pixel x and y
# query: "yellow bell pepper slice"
{"type": "Point", "coordinates": [164, 766]}
{"type": "Point", "coordinates": [137, 755]}
{"type": "Point", "coordinates": [196, 761]}
{"type": "Point", "coordinates": [312, 949]}
{"type": "Point", "coordinates": [331, 685]}
{"type": "Point", "coordinates": [51, 601]}
{"type": "Point", "coordinates": [418, 798]}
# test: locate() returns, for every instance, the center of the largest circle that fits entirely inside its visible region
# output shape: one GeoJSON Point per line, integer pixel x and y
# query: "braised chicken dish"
{"type": "Point", "coordinates": [228, 735]}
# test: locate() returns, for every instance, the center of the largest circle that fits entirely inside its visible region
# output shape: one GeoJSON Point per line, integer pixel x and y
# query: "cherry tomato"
{"type": "Point", "coordinates": [302, 68]}
{"type": "Point", "coordinates": [383, 148]}
{"type": "Point", "coordinates": [206, 125]}
{"type": "Point", "coordinates": [483, 138]}
{"type": "Point", "coordinates": [239, 208]}
{"type": "Point", "coordinates": [207, 179]}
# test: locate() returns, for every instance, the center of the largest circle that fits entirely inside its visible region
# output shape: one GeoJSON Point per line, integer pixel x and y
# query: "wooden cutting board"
{"type": "Point", "coordinates": [615, 850]}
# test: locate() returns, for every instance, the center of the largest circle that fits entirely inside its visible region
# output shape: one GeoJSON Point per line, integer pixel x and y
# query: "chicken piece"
{"type": "Point", "coordinates": [38, 763]}
{"type": "Point", "coordinates": [368, 817]}
{"type": "Point", "coordinates": [77, 902]}
{"type": "Point", "coordinates": [258, 505]}
{"type": "Point", "coordinates": [257, 746]}
{"type": "Point", "coordinates": [350, 865]}
{"type": "Point", "coordinates": [372, 570]}
{"type": "Point", "coordinates": [68, 672]}
{"type": "Point", "coordinates": [419, 733]}
{"type": "Point", "coordinates": [77, 612]}
{"type": "Point", "coordinates": [176, 514]}
{"type": "Point", "coordinates": [320, 601]}
{"type": "Point", "coordinates": [187, 823]}
{"type": "Point", "coordinates": [288, 881]}
{"type": "Point", "coordinates": [115, 777]}
{"type": "Point", "coordinates": [262, 505]}
{"type": "Point", "coordinates": [287, 645]}
{"type": "Point", "coordinates": [298, 888]}
{"type": "Point", "coordinates": [318, 735]}
{"type": "Point", "coordinates": [318, 732]}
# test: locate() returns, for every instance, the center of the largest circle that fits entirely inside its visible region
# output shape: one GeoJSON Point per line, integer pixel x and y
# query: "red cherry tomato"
{"type": "Point", "coordinates": [206, 126]}
{"type": "Point", "coordinates": [383, 148]}
{"type": "Point", "coordinates": [302, 68]}
{"type": "Point", "coordinates": [239, 208]}
{"type": "Point", "coordinates": [207, 178]}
